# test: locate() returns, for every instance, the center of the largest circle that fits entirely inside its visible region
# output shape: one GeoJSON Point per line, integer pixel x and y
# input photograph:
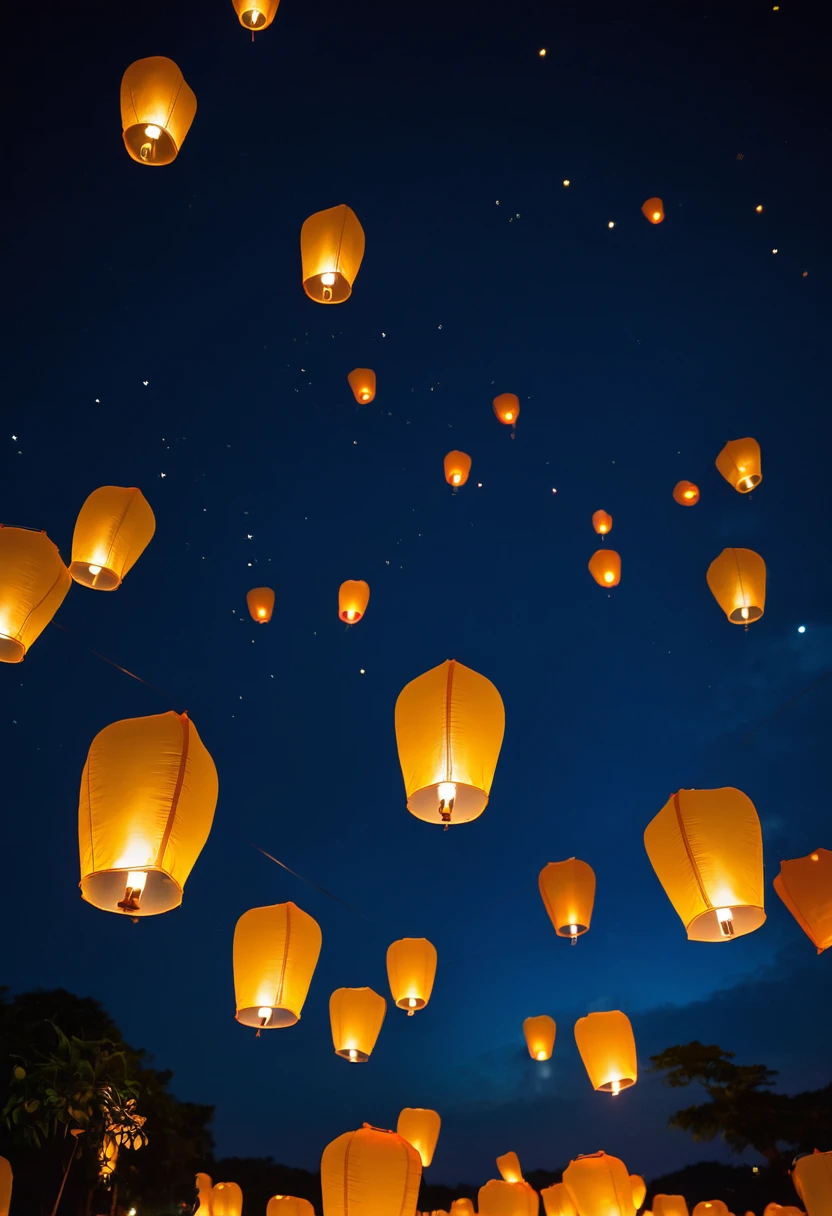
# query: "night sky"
{"type": "Point", "coordinates": [160, 338]}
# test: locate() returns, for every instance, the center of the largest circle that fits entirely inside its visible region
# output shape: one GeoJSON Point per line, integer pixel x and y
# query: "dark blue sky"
{"type": "Point", "coordinates": [636, 352]}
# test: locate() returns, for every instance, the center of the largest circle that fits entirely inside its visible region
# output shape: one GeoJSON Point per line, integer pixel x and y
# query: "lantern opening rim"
{"type": "Point", "coordinates": [11, 650]}
{"type": "Point", "coordinates": [104, 888]}
{"type": "Point", "coordinates": [469, 803]}
{"type": "Point", "coordinates": [705, 927]}
{"type": "Point", "coordinates": [105, 580]}
{"type": "Point", "coordinates": [164, 145]}
{"type": "Point", "coordinates": [280, 1017]}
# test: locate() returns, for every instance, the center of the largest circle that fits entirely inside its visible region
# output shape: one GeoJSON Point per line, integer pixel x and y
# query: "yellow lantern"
{"type": "Point", "coordinates": [355, 1015]}
{"type": "Point", "coordinates": [331, 249]}
{"type": "Point", "coordinates": [420, 1128]}
{"type": "Point", "coordinates": [411, 970]}
{"type": "Point", "coordinates": [639, 1190]}
{"type": "Point", "coordinates": [353, 598]}
{"type": "Point", "coordinates": [669, 1205]}
{"type": "Point", "coordinates": [462, 1207]}
{"type": "Point", "coordinates": [256, 14]}
{"type": "Point", "coordinates": [457, 467]}
{"type": "Point", "coordinates": [737, 579]}
{"type": "Point", "coordinates": [157, 109]}
{"type": "Point", "coordinates": [33, 583]}
{"type": "Point", "coordinates": [740, 465]}
{"type": "Point", "coordinates": [370, 1173]}
{"type": "Point", "coordinates": [567, 889]}
{"type": "Point", "coordinates": [608, 1050]}
{"type": "Point", "coordinates": [107, 1157]}
{"type": "Point", "coordinates": [509, 1167]}
{"type": "Point", "coordinates": [507, 408]}
{"type": "Point", "coordinates": [653, 210]}
{"type": "Point", "coordinates": [507, 1199]}
{"type": "Point", "coordinates": [599, 1185]}
{"type": "Point", "coordinates": [601, 522]}
{"type": "Point", "coordinates": [260, 602]}
{"type": "Point", "coordinates": [686, 494]}
{"type": "Point", "coordinates": [777, 1209]}
{"type": "Point", "coordinates": [812, 1178]}
{"type": "Point", "coordinates": [6, 1179]}
{"type": "Point", "coordinates": [204, 1193]}
{"type": "Point", "coordinates": [605, 567]}
{"type": "Point", "coordinates": [113, 529]}
{"type": "Point", "coordinates": [707, 850]}
{"type": "Point", "coordinates": [226, 1199]}
{"type": "Point", "coordinates": [363, 384]}
{"type": "Point", "coordinates": [557, 1201]}
{"type": "Point", "coordinates": [289, 1205]}
{"type": "Point", "coordinates": [539, 1033]}
{"type": "Point", "coordinates": [148, 795]}
{"type": "Point", "coordinates": [713, 1207]}
{"type": "Point", "coordinates": [805, 887]}
{"type": "Point", "coordinates": [276, 952]}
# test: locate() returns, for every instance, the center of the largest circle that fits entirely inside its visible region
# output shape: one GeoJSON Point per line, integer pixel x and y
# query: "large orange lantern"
{"type": "Point", "coordinates": [6, 1179]}
{"type": "Point", "coordinates": [457, 468]}
{"type": "Point", "coordinates": [509, 1167]}
{"type": "Point", "coordinates": [812, 1178]}
{"type": "Point", "coordinates": [557, 1200]}
{"type": "Point", "coordinates": [204, 1194]}
{"type": "Point", "coordinates": [256, 14]}
{"type": "Point", "coordinates": [260, 602]}
{"type": "Point", "coordinates": [370, 1173]}
{"type": "Point", "coordinates": [355, 1016]}
{"type": "Point", "coordinates": [157, 109]}
{"type": "Point", "coordinates": [449, 730]}
{"type": "Point", "coordinates": [567, 889]}
{"type": "Point", "coordinates": [289, 1205]}
{"type": "Point", "coordinates": [774, 1209]}
{"type": "Point", "coordinates": [33, 583]}
{"type": "Point", "coordinates": [331, 249]}
{"type": "Point", "coordinates": [462, 1207]}
{"type": "Point", "coordinates": [507, 408]}
{"type": "Point", "coordinates": [805, 887]}
{"type": "Point", "coordinates": [363, 384]}
{"type": "Point", "coordinates": [276, 950]}
{"type": "Point", "coordinates": [602, 522]}
{"type": "Point", "coordinates": [599, 1185]}
{"type": "Point", "coordinates": [737, 579]}
{"type": "Point", "coordinates": [653, 210]}
{"type": "Point", "coordinates": [605, 567]}
{"type": "Point", "coordinates": [411, 970]}
{"type": "Point", "coordinates": [711, 1207]}
{"type": "Point", "coordinates": [420, 1128]}
{"type": "Point", "coordinates": [148, 795]}
{"type": "Point", "coordinates": [500, 1198]}
{"type": "Point", "coordinates": [113, 529]}
{"type": "Point", "coordinates": [707, 850]}
{"type": "Point", "coordinates": [739, 463]}
{"type": "Point", "coordinates": [353, 598]}
{"type": "Point", "coordinates": [639, 1190]}
{"type": "Point", "coordinates": [669, 1205]}
{"type": "Point", "coordinates": [686, 493]}
{"type": "Point", "coordinates": [539, 1033]}
{"type": "Point", "coordinates": [608, 1050]}
{"type": "Point", "coordinates": [226, 1199]}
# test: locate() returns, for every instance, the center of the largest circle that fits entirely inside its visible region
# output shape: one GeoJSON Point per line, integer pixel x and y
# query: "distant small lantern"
{"type": "Point", "coordinates": [567, 889]}
{"type": "Point", "coordinates": [608, 1049]}
{"type": "Point", "coordinates": [276, 951]}
{"type": "Point", "coordinates": [33, 583]}
{"type": "Point", "coordinates": [653, 210]}
{"type": "Point", "coordinates": [602, 522]}
{"type": "Point", "coordinates": [462, 1207]}
{"type": "Point", "coordinates": [289, 1205]}
{"type": "Point", "coordinates": [420, 1128]}
{"type": "Point", "coordinates": [509, 1167]}
{"type": "Point", "coordinates": [737, 579]}
{"type": "Point", "coordinates": [260, 602]}
{"type": "Point", "coordinates": [812, 1178]}
{"type": "Point", "coordinates": [669, 1205]}
{"type": "Point", "coordinates": [256, 14]}
{"type": "Point", "coordinates": [539, 1033]}
{"type": "Point", "coordinates": [805, 886]}
{"type": "Point", "coordinates": [706, 848]}
{"type": "Point", "coordinates": [6, 1179]}
{"type": "Point", "coordinates": [353, 598]}
{"type": "Point", "coordinates": [204, 1194]}
{"type": "Point", "coordinates": [686, 493]}
{"type": "Point", "coordinates": [226, 1199]}
{"type": "Point", "coordinates": [500, 1198]}
{"type": "Point", "coordinates": [370, 1172]}
{"type": "Point", "coordinates": [411, 970]}
{"type": "Point", "coordinates": [331, 249]}
{"type": "Point", "coordinates": [557, 1200]}
{"type": "Point", "coordinates": [355, 1016]}
{"type": "Point", "coordinates": [776, 1209]}
{"type": "Point", "coordinates": [639, 1190]}
{"type": "Point", "coordinates": [711, 1207]}
{"type": "Point", "coordinates": [157, 109]}
{"type": "Point", "coordinates": [457, 468]}
{"type": "Point", "coordinates": [362, 381]}
{"type": "Point", "coordinates": [599, 1185]}
{"type": "Point", "coordinates": [739, 463]}
{"type": "Point", "coordinates": [507, 409]}
{"type": "Point", "coordinates": [605, 567]}
{"type": "Point", "coordinates": [113, 529]}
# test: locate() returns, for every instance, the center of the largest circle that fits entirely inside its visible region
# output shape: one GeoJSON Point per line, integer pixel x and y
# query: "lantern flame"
{"type": "Point", "coordinates": [350, 614]}
{"type": "Point", "coordinates": [411, 1002]}
{"type": "Point", "coordinates": [608, 576]}
{"type": "Point", "coordinates": [134, 886]}
{"type": "Point", "coordinates": [328, 279]}
{"type": "Point", "coordinates": [353, 1055]}
{"type": "Point", "coordinates": [264, 1013]}
{"type": "Point", "coordinates": [152, 131]}
{"type": "Point", "coordinates": [541, 1055]}
{"type": "Point", "coordinates": [615, 1088]}
{"type": "Point", "coordinates": [726, 921]}
{"type": "Point", "coordinates": [95, 570]}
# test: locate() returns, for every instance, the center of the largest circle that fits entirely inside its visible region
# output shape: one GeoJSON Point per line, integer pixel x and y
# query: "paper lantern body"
{"type": "Point", "coordinates": [353, 598]}
{"type": "Point", "coordinates": [457, 468]}
{"type": "Point", "coordinates": [355, 1016]}
{"type": "Point", "coordinates": [411, 970]}
{"type": "Point", "coordinates": [507, 408]}
{"type": "Point", "coordinates": [289, 1205]}
{"type": "Point", "coordinates": [737, 579]}
{"type": "Point", "coordinates": [567, 889]}
{"type": "Point", "coordinates": [205, 1190]}
{"type": "Point", "coordinates": [33, 583]}
{"type": "Point", "coordinates": [363, 384]}
{"type": "Point", "coordinates": [260, 601]}
{"type": "Point", "coordinates": [669, 1205]}
{"type": "Point", "coordinates": [602, 522]}
{"type": "Point", "coordinates": [276, 951]}
{"type": "Point", "coordinates": [711, 1207]}
{"type": "Point", "coordinates": [639, 1190]}
{"type": "Point", "coordinates": [420, 1128]}
{"type": "Point", "coordinates": [148, 795]}
{"type": "Point", "coordinates": [539, 1033]}
{"type": "Point", "coordinates": [599, 1185]}
{"type": "Point", "coordinates": [686, 493]}
{"type": "Point", "coordinates": [509, 1167]}
{"type": "Point", "coordinates": [256, 15]}
{"type": "Point", "coordinates": [775, 1209]}
{"type": "Point", "coordinates": [608, 1050]}
{"type": "Point", "coordinates": [113, 529]}
{"type": "Point", "coordinates": [653, 210]}
{"type": "Point", "coordinates": [226, 1199]}
{"type": "Point", "coordinates": [739, 463]}
{"type": "Point", "coordinates": [462, 1207]}
{"type": "Point", "coordinates": [707, 850]}
{"type": "Point", "coordinates": [498, 1198]}
{"type": "Point", "coordinates": [812, 1178]}
{"type": "Point", "coordinates": [157, 109]}
{"type": "Point", "coordinates": [449, 730]}
{"type": "Point", "coordinates": [805, 887]}
{"type": "Point", "coordinates": [370, 1173]}
{"type": "Point", "coordinates": [557, 1200]}
{"type": "Point", "coordinates": [6, 1179]}
{"type": "Point", "coordinates": [605, 567]}
{"type": "Point", "coordinates": [331, 249]}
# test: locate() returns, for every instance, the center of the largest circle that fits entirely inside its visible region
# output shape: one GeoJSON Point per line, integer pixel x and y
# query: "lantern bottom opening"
{"type": "Point", "coordinates": [404, 1003]}
{"type": "Point", "coordinates": [334, 292]}
{"type": "Point", "coordinates": [252, 19]}
{"type": "Point", "coordinates": [706, 926]}
{"type": "Point", "coordinates": [617, 1085]}
{"type": "Point", "coordinates": [572, 929]}
{"type": "Point", "coordinates": [278, 1018]}
{"type": "Point", "coordinates": [105, 888]}
{"type": "Point", "coordinates": [746, 484]}
{"type": "Point", "coordinates": [90, 574]}
{"type": "Point", "coordinates": [11, 651]}
{"type": "Point", "coordinates": [160, 150]}
{"type": "Point", "coordinates": [351, 620]}
{"type": "Point", "coordinates": [745, 615]}
{"type": "Point", "coordinates": [469, 804]}
{"type": "Point", "coordinates": [353, 1055]}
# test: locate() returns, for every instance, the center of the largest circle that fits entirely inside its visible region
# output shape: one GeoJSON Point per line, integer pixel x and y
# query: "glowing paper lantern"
{"type": "Point", "coordinates": [805, 887]}
{"type": "Point", "coordinates": [226, 1199]}
{"type": "Point", "coordinates": [148, 795]}
{"type": "Point", "coordinates": [740, 464]}
{"type": "Point", "coordinates": [6, 1179]}
{"type": "Point", "coordinates": [411, 970]}
{"type": "Point", "coordinates": [507, 1199]}
{"type": "Point", "coordinates": [601, 522]}
{"type": "Point", "coordinates": [33, 583]}
{"type": "Point", "coordinates": [737, 579]}
{"type": "Point", "coordinates": [331, 249]}
{"type": "Point", "coordinates": [774, 1209]}
{"type": "Point", "coordinates": [509, 1167]}
{"type": "Point", "coordinates": [457, 468]}
{"type": "Point", "coordinates": [370, 1173]}
{"type": "Point", "coordinates": [707, 850]}
{"type": "Point", "coordinates": [599, 1185]}
{"type": "Point", "coordinates": [539, 1033]}
{"type": "Point", "coordinates": [605, 567]}
{"type": "Point", "coordinates": [449, 730]}
{"type": "Point", "coordinates": [507, 408]}
{"type": "Point", "coordinates": [355, 1015]}
{"type": "Point", "coordinates": [276, 951]}
{"type": "Point", "coordinates": [113, 529]}
{"type": "Point", "coordinates": [420, 1128]}
{"type": "Point", "coordinates": [353, 598]}
{"type": "Point", "coordinates": [812, 1178]}
{"type": "Point", "coordinates": [686, 493]}
{"type": "Point", "coordinates": [639, 1190]}
{"type": "Point", "coordinates": [557, 1200]}
{"type": "Point", "coordinates": [204, 1194]}
{"type": "Point", "coordinates": [260, 602]}
{"type": "Point", "coordinates": [107, 1157]}
{"type": "Point", "coordinates": [256, 14]}
{"type": "Point", "coordinates": [608, 1050]}
{"type": "Point", "coordinates": [157, 109]}
{"type": "Point", "coordinates": [669, 1205]}
{"type": "Point", "coordinates": [567, 889]}
{"type": "Point", "coordinates": [713, 1207]}
{"type": "Point", "coordinates": [363, 384]}
{"type": "Point", "coordinates": [653, 210]}
{"type": "Point", "coordinates": [462, 1207]}
{"type": "Point", "coordinates": [289, 1205]}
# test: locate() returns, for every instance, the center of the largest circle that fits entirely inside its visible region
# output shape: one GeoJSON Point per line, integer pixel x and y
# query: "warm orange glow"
{"type": "Point", "coordinates": [737, 579]}
{"type": "Point", "coordinates": [256, 16]}
{"type": "Point", "coordinates": [411, 969]}
{"type": "Point", "coordinates": [507, 408]}
{"type": "Point", "coordinates": [653, 210]}
{"type": "Point", "coordinates": [639, 1190]}
{"type": "Point", "coordinates": [567, 889]}
{"type": "Point", "coordinates": [566, 182]}
{"type": "Point", "coordinates": [557, 1200]}
{"type": "Point", "coordinates": [457, 468]}
{"type": "Point", "coordinates": [805, 887]}
{"type": "Point", "coordinates": [33, 583]}
{"type": "Point", "coordinates": [758, 208]}
{"type": "Point", "coordinates": [362, 381]}
{"type": "Point", "coordinates": [669, 1205]}
{"type": "Point", "coordinates": [601, 522]}
{"type": "Point", "coordinates": [605, 567]}
{"type": "Point", "coordinates": [275, 954]}
{"type": "Point", "coordinates": [355, 1016]}
{"type": "Point", "coordinates": [739, 462]}
{"type": "Point", "coordinates": [501, 1198]}
{"type": "Point", "coordinates": [114, 527]}
{"type": "Point", "coordinates": [226, 1199]}
{"type": "Point", "coordinates": [509, 1167]}
{"type": "Point", "coordinates": [157, 109]}
{"type": "Point", "coordinates": [353, 598]}
{"type": "Point", "coordinates": [420, 1128]}
{"type": "Point", "coordinates": [260, 602]}
{"type": "Point", "coordinates": [608, 1050]}
{"type": "Point", "coordinates": [370, 1173]}
{"type": "Point", "coordinates": [539, 1033]}
{"type": "Point", "coordinates": [599, 1185]}
{"type": "Point", "coordinates": [331, 250]}
{"type": "Point", "coordinates": [686, 493]}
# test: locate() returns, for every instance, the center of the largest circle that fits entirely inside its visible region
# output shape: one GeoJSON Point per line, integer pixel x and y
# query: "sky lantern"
{"type": "Point", "coordinates": [276, 952]}
{"type": "Point", "coordinates": [686, 493]}
{"type": "Point", "coordinates": [353, 598]}
{"type": "Point", "coordinates": [711, 1207]}
{"type": "Point", "coordinates": [812, 1178]}
{"type": "Point", "coordinates": [639, 1190]}
{"type": "Point", "coordinates": [289, 1205]}
{"type": "Point", "coordinates": [608, 1050]}
{"type": "Point", "coordinates": [226, 1199]}
{"type": "Point", "coordinates": [363, 384]}
{"type": "Point", "coordinates": [501, 1198]}
{"type": "Point", "coordinates": [737, 579]}
{"type": "Point", "coordinates": [539, 1033]}
{"type": "Point", "coordinates": [148, 795]}
{"type": "Point", "coordinates": [739, 464]}
{"type": "Point", "coordinates": [601, 522]}
{"type": "Point", "coordinates": [331, 249]}
{"type": "Point", "coordinates": [599, 1185]}
{"type": "Point", "coordinates": [507, 409]}
{"type": "Point", "coordinates": [777, 1209]}
{"type": "Point", "coordinates": [567, 889]}
{"type": "Point", "coordinates": [605, 567]}
{"type": "Point", "coordinates": [355, 1015]}
{"type": "Point", "coordinates": [557, 1200]}
{"type": "Point", "coordinates": [255, 15]}
{"type": "Point", "coordinates": [509, 1167]}
{"type": "Point", "coordinates": [462, 1207]}
{"type": "Point", "coordinates": [420, 1128]}
{"type": "Point", "coordinates": [113, 529]}
{"type": "Point", "coordinates": [6, 1178]}
{"type": "Point", "coordinates": [449, 730]}
{"type": "Point", "coordinates": [107, 1157]}
{"type": "Point", "coordinates": [260, 602]}
{"type": "Point", "coordinates": [411, 970]}
{"type": "Point", "coordinates": [805, 886]}
{"type": "Point", "coordinates": [669, 1205]}
{"type": "Point", "coordinates": [157, 109]}
{"type": "Point", "coordinates": [457, 468]}
{"type": "Point", "coordinates": [204, 1194]}
{"type": "Point", "coordinates": [383, 1175]}
{"type": "Point", "coordinates": [707, 850]}
{"type": "Point", "coordinates": [33, 583]}
{"type": "Point", "coordinates": [653, 210]}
